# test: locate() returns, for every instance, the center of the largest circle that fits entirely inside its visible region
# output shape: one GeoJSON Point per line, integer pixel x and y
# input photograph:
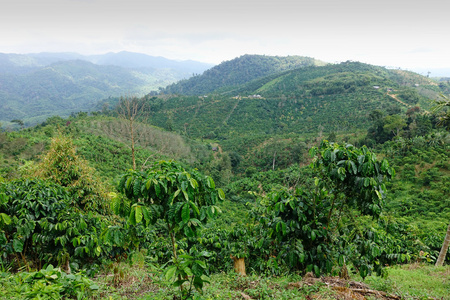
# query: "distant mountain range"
{"type": "Point", "coordinates": [22, 63]}
{"type": "Point", "coordinates": [36, 86]}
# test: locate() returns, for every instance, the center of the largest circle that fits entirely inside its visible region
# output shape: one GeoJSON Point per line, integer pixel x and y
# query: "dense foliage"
{"type": "Point", "coordinates": [236, 72]}
{"type": "Point", "coordinates": [340, 210]}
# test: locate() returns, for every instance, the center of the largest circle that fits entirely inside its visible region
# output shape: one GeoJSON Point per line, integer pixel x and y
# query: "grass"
{"type": "Point", "coordinates": [415, 281]}
{"type": "Point", "coordinates": [144, 282]}
{"type": "Point", "coordinates": [231, 286]}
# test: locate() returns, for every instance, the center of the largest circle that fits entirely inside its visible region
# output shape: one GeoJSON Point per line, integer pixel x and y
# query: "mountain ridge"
{"type": "Point", "coordinates": [36, 86]}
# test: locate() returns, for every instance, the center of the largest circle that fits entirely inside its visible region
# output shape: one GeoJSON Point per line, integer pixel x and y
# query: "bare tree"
{"type": "Point", "coordinates": [130, 108]}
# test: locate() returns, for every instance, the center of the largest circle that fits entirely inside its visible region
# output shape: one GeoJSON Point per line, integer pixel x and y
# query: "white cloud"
{"type": "Point", "coordinates": [390, 33]}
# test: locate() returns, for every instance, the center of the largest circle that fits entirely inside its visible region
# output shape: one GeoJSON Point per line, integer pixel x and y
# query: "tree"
{"type": "Point", "coordinates": [442, 109]}
{"type": "Point", "coordinates": [63, 166]}
{"type": "Point", "coordinates": [182, 200]}
{"type": "Point", "coordinates": [18, 122]}
{"type": "Point", "coordinates": [394, 123]}
{"type": "Point", "coordinates": [444, 121]}
{"type": "Point", "coordinates": [305, 223]}
{"type": "Point", "coordinates": [377, 131]}
{"type": "Point", "coordinates": [357, 177]}
{"type": "Point", "coordinates": [130, 108]}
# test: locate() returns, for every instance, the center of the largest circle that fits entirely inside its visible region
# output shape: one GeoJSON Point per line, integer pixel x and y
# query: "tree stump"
{"type": "Point", "coordinates": [239, 265]}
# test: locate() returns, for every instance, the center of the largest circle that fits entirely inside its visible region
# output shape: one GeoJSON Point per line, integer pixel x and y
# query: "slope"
{"type": "Point", "coordinates": [238, 71]}
{"type": "Point", "coordinates": [305, 100]}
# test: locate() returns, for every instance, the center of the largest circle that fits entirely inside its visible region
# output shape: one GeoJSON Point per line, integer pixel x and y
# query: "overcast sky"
{"type": "Point", "coordinates": [406, 34]}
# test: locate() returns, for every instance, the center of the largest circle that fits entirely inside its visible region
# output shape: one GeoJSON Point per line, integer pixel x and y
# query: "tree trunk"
{"type": "Point", "coordinates": [273, 163]}
{"type": "Point", "coordinates": [444, 249]}
{"type": "Point", "coordinates": [239, 265]}
{"type": "Point", "coordinates": [132, 144]}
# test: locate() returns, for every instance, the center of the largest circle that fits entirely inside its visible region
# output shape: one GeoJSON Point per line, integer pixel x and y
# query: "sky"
{"type": "Point", "coordinates": [395, 33]}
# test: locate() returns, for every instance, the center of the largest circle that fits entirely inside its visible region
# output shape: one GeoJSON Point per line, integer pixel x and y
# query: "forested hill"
{"type": "Point", "coordinates": [34, 87]}
{"type": "Point", "coordinates": [329, 98]}
{"type": "Point", "coordinates": [62, 88]}
{"type": "Point", "coordinates": [237, 72]}
{"type": "Point", "coordinates": [336, 79]}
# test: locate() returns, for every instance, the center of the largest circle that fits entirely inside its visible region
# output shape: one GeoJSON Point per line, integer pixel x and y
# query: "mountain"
{"type": "Point", "coordinates": [36, 86]}
{"type": "Point", "coordinates": [142, 61]}
{"type": "Point", "coordinates": [238, 71]}
{"type": "Point", "coordinates": [312, 99]}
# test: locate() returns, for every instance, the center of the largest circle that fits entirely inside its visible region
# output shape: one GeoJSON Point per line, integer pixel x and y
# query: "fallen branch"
{"type": "Point", "coordinates": [365, 292]}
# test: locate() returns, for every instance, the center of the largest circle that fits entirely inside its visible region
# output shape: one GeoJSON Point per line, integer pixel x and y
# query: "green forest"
{"type": "Point", "coordinates": [310, 181]}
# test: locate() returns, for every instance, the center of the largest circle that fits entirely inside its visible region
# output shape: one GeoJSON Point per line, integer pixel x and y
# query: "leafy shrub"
{"type": "Point", "coordinates": [45, 225]}
{"type": "Point", "coordinates": [63, 166]}
{"type": "Point", "coordinates": [48, 283]}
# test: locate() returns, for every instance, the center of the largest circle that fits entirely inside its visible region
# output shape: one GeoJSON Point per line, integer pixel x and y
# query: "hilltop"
{"type": "Point", "coordinates": [312, 99]}
{"type": "Point", "coordinates": [238, 71]}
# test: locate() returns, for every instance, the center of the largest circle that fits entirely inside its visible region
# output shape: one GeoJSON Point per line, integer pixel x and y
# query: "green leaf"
{"type": "Point", "coordinates": [378, 194]}
{"type": "Point", "coordinates": [193, 182]}
{"type": "Point", "coordinates": [201, 263]}
{"type": "Point", "coordinates": [185, 212]}
{"type": "Point", "coordinates": [175, 195]}
{"type": "Point", "coordinates": [283, 228]}
{"type": "Point", "coordinates": [128, 182]}
{"type": "Point", "coordinates": [6, 218]}
{"type": "Point", "coordinates": [333, 155]}
{"type": "Point", "coordinates": [179, 282]}
{"type": "Point", "coordinates": [136, 188]}
{"type": "Point", "coordinates": [188, 271]}
{"type": "Point", "coordinates": [157, 190]}
{"type": "Point", "coordinates": [198, 284]}
{"type": "Point", "coordinates": [138, 212]}
{"type": "Point", "coordinates": [210, 182]}
{"type": "Point", "coordinates": [148, 184]}
{"type": "Point", "coordinates": [188, 231]}
{"type": "Point", "coordinates": [353, 167]}
{"type": "Point", "coordinates": [146, 214]}
{"type": "Point", "coordinates": [171, 272]}
{"type": "Point", "coordinates": [194, 207]}
{"type": "Point", "coordinates": [361, 159]}
{"type": "Point", "coordinates": [186, 196]}
{"type": "Point", "coordinates": [221, 194]}
{"type": "Point", "coordinates": [301, 257]}
{"type": "Point", "coordinates": [316, 271]}
{"type": "Point", "coordinates": [132, 217]}
{"type": "Point", "coordinates": [17, 245]}
{"type": "Point", "coordinates": [366, 181]}
{"type": "Point", "coordinates": [364, 271]}
{"type": "Point", "coordinates": [313, 235]}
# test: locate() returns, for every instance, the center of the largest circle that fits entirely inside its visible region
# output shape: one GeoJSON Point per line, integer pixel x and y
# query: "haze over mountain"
{"type": "Point", "coordinates": [36, 86]}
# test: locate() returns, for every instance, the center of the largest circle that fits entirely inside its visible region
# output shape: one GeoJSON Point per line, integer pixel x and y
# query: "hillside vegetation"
{"type": "Point", "coordinates": [306, 180]}
{"type": "Point", "coordinates": [238, 71]}
{"type": "Point", "coordinates": [310, 100]}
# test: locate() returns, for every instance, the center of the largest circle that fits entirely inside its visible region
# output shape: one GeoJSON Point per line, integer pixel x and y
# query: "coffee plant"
{"type": "Point", "coordinates": [182, 200]}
